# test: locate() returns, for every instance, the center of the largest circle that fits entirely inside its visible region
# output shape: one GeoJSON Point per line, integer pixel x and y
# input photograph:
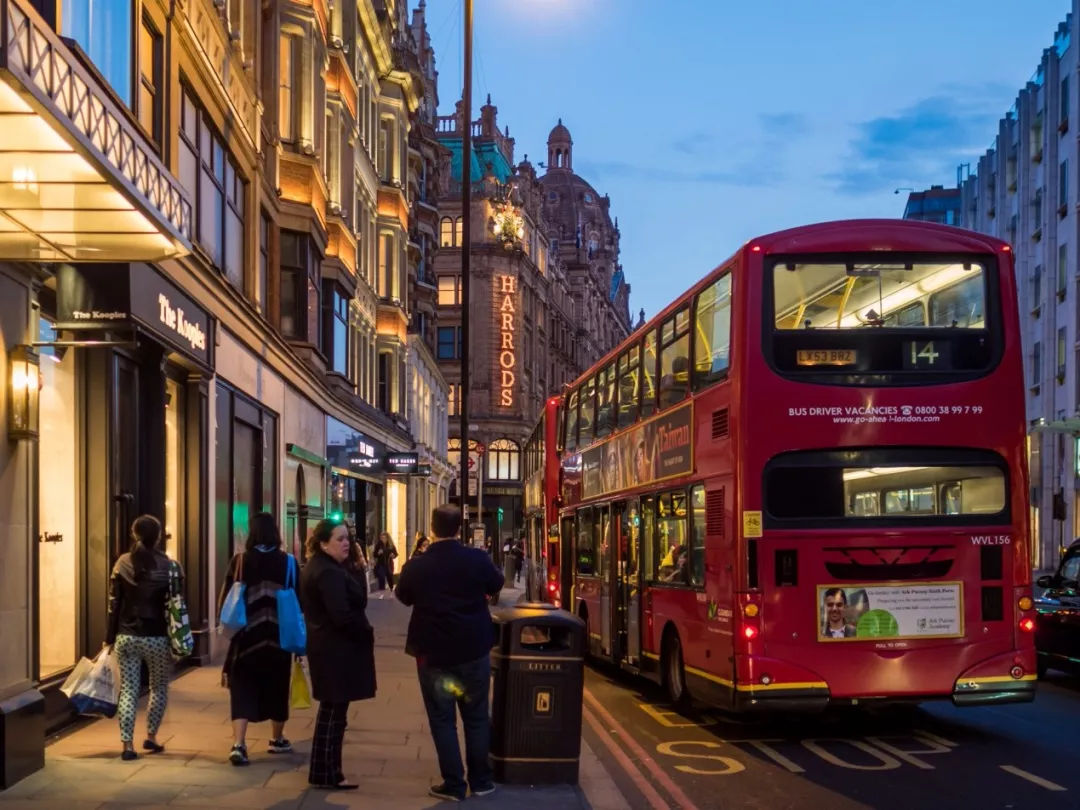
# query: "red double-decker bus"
{"type": "Point", "coordinates": [541, 512]}
{"type": "Point", "coordinates": [805, 482]}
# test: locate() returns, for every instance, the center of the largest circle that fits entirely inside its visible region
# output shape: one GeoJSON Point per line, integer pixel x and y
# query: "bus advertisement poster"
{"type": "Point", "coordinates": [651, 451]}
{"type": "Point", "coordinates": [896, 611]}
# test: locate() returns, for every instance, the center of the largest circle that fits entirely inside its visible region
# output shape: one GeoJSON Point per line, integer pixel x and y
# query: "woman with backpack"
{"type": "Point", "coordinates": [257, 670]}
{"type": "Point", "coordinates": [138, 630]}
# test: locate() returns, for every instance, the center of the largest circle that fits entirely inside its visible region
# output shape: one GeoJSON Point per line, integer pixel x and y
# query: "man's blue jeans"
{"type": "Point", "coordinates": [464, 688]}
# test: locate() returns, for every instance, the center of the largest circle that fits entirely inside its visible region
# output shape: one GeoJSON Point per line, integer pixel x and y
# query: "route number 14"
{"type": "Point", "coordinates": [925, 357]}
{"type": "Point", "coordinates": [926, 354]}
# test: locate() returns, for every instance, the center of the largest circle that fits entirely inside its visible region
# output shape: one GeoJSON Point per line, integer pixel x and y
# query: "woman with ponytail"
{"type": "Point", "coordinates": [138, 630]}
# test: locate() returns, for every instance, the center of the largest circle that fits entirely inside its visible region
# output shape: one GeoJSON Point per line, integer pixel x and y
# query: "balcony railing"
{"type": "Point", "coordinates": [46, 74]}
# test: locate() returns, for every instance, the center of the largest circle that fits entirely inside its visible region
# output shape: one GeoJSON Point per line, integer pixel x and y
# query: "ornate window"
{"type": "Point", "coordinates": [504, 460]}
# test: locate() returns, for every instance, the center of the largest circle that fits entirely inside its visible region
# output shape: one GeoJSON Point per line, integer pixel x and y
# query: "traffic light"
{"type": "Point", "coordinates": [499, 514]}
{"type": "Point", "coordinates": [336, 516]}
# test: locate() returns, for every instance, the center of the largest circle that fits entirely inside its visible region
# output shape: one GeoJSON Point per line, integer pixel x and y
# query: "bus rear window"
{"type": "Point", "coordinates": [903, 485]}
{"type": "Point", "coordinates": [869, 320]}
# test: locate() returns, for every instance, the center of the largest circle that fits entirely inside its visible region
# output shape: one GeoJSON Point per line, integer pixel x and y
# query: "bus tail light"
{"type": "Point", "coordinates": [1027, 625]}
{"type": "Point", "coordinates": [1017, 672]}
{"type": "Point", "coordinates": [1025, 603]}
{"type": "Point", "coordinates": [749, 632]}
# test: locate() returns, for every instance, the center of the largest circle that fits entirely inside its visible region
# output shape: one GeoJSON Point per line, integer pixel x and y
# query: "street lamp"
{"type": "Point", "coordinates": [466, 239]}
{"type": "Point", "coordinates": [25, 384]}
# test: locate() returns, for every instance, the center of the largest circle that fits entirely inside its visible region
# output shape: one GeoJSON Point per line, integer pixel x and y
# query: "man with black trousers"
{"type": "Point", "coordinates": [451, 635]}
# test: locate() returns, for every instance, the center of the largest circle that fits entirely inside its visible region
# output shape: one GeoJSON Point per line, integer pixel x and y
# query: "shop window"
{"type": "Point", "coordinates": [503, 460]}
{"type": "Point", "coordinates": [246, 471]}
{"type": "Point", "coordinates": [58, 556]}
{"type": "Point", "coordinates": [150, 80]}
{"type": "Point", "coordinates": [672, 551]}
{"type": "Point", "coordinates": [102, 29]}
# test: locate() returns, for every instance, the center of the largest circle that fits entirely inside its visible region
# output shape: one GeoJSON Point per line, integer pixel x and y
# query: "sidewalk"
{"type": "Point", "coordinates": [388, 750]}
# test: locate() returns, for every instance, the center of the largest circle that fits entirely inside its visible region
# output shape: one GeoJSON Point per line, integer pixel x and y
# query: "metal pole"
{"type": "Point", "coordinates": [466, 217]}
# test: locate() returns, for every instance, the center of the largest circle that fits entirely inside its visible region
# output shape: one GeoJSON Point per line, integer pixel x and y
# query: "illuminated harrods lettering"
{"type": "Point", "coordinates": [505, 289]}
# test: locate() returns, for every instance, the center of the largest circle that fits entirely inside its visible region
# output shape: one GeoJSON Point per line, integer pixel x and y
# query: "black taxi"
{"type": "Point", "coordinates": [1057, 620]}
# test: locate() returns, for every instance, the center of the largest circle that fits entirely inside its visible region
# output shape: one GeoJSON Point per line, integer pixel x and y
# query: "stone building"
{"type": "Point", "coordinates": [1024, 190]}
{"type": "Point", "coordinates": [548, 297]}
{"type": "Point", "coordinates": [205, 301]}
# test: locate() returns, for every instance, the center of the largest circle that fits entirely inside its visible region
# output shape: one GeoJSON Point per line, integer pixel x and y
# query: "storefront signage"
{"type": "Point", "coordinates": [906, 610]}
{"type": "Point", "coordinates": [365, 463]}
{"type": "Point", "coordinates": [505, 314]}
{"type": "Point", "coordinates": [401, 463]}
{"type": "Point", "coordinates": [103, 296]}
{"type": "Point", "coordinates": [651, 451]}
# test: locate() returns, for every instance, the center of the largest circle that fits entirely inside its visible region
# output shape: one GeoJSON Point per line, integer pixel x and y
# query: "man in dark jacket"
{"type": "Point", "coordinates": [451, 635]}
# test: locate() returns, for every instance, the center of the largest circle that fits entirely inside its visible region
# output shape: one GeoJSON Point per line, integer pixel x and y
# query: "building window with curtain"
{"type": "Point", "coordinates": [459, 234]}
{"type": "Point", "coordinates": [504, 460]}
{"type": "Point", "coordinates": [446, 232]}
{"type": "Point", "coordinates": [150, 80]}
{"type": "Point", "coordinates": [288, 87]}
{"type": "Point", "coordinates": [300, 293]}
{"type": "Point", "coordinates": [386, 265]}
{"type": "Point", "coordinates": [336, 329]}
{"type": "Point", "coordinates": [102, 29]}
{"type": "Point", "coordinates": [216, 188]}
{"type": "Point", "coordinates": [449, 291]}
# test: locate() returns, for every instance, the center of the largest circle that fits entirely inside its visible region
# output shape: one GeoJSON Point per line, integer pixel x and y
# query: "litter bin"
{"type": "Point", "coordinates": [538, 667]}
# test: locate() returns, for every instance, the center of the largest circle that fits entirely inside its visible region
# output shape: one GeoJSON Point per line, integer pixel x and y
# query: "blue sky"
{"type": "Point", "coordinates": [712, 121]}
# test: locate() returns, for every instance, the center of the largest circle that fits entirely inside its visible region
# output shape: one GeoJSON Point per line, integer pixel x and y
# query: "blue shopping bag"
{"type": "Point", "coordinates": [234, 609]}
{"type": "Point", "coordinates": [292, 630]}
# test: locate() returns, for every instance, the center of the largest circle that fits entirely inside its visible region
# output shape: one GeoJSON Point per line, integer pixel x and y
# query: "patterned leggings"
{"type": "Point", "coordinates": [131, 651]}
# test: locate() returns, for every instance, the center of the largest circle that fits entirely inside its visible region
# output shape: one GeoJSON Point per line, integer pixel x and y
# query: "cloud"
{"type": "Point", "coordinates": [922, 143]}
{"type": "Point", "coordinates": [784, 124]}
{"type": "Point", "coordinates": [747, 174]}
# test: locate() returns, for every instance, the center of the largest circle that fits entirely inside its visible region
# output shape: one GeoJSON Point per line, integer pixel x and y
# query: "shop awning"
{"type": "Point", "coordinates": [1057, 426]}
{"type": "Point", "coordinates": [78, 180]}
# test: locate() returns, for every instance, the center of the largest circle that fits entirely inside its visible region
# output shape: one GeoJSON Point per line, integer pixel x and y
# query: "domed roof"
{"type": "Point", "coordinates": [570, 201]}
{"type": "Point", "coordinates": [559, 133]}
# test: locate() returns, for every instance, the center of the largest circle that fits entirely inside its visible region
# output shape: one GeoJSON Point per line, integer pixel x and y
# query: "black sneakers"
{"type": "Point", "coordinates": [484, 790]}
{"type": "Point", "coordinates": [281, 746]}
{"type": "Point", "coordinates": [441, 791]}
{"type": "Point", "coordinates": [238, 755]}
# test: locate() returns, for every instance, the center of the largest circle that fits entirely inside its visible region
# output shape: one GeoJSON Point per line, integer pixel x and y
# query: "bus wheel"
{"type": "Point", "coordinates": [674, 674]}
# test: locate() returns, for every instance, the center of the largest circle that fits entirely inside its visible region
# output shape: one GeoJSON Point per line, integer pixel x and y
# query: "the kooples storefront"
{"type": "Point", "coordinates": [126, 359]}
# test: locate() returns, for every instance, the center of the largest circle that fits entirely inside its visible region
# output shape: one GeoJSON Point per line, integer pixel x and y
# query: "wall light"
{"type": "Point", "coordinates": [24, 411]}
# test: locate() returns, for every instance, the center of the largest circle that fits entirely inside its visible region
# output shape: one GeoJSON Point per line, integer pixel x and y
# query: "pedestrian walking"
{"type": "Point", "coordinates": [451, 635]}
{"type": "Point", "coordinates": [257, 670]}
{"type": "Point", "coordinates": [138, 630]}
{"type": "Point", "coordinates": [340, 646]}
{"type": "Point", "coordinates": [519, 560]}
{"type": "Point", "coordinates": [384, 554]}
{"type": "Point", "coordinates": [422, 543]}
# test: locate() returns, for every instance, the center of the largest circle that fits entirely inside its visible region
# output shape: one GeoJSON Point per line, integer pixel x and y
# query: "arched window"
{"type": "Point", "coordinates": [446, 232]}
{"type": "Point", "coordinates": [504, 460]}
{"type": "Point", "coordinates": [458, 235]}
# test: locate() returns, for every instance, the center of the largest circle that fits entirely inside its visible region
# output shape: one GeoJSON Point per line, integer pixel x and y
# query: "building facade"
{"type": "Point", "coordinates": [935, 204]}
{"type": "Point", "coordinates": [547, 300]}
{"type": "Point", "coordinates": [204, 302]}
{"type": "Point", "coordinates": [1024, 190]}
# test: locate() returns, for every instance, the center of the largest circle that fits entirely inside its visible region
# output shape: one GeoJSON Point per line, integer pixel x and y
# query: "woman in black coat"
{"type": "Point", "coordinates": [340, 647]}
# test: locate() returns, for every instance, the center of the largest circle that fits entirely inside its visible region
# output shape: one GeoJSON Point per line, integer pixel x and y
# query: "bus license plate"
{"type": "Point", "coordinates": [825, 357]}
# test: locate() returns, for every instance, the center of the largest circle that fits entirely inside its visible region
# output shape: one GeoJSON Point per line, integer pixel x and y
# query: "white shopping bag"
{"type": "Point", "coordinates": [94, 686]}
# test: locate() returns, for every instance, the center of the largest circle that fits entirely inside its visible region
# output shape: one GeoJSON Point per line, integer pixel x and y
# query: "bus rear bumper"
{"type": "Point", "coordinates": [1006, 678]}
{"type": "Point", "coordinates": [782, 700]}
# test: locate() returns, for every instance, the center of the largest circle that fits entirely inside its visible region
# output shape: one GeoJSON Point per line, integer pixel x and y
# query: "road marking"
{"type": "Point", "coordinates": [658, 773]}
{"type": "Point", "coordinates": [887, 762]}
{"type": "Point", "coordinates": [1037, 780]}
{"type": "Point", "coordinates": [730, 765]}
{"type": "Point", "coordinates": [661, 717]}
{"type": "Point", "coordinates": [774, 755]}
{"type": "Point", "coordinates": [909, 756]}
{"type": "Point", "coordinates": [648, 791]}
{"type": "Point", "coordinates": [935, 737]}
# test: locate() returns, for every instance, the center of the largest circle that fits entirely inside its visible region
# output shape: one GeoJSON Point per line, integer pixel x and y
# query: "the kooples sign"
{"type": "Point", "coordinates": [506, 323]}
{"type": "Point", "coordinates": [107, 296]}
